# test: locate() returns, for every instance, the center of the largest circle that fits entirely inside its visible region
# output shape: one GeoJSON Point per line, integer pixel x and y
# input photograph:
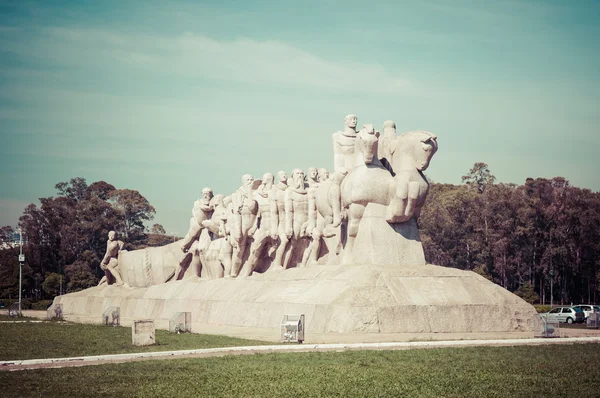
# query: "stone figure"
{"type": "Point", "coordinates": [217, 257]}
{"type": "Point", "coordinates": [245, 211]}
{"type": "Point", "coordinates": [344, 160]}
{"type": "Point", "coordinates": [277, 204]}
{"type": "Point", "coordinates": [323, 175]}
{"type": "Point", "coordinates": [262, 237]}
{"type": "Point", "coordinates": [110, 262]}
{"type": "Point", "coordinates": [385, 141]}
{"type": "Point", "coordinates": [312, 177]}
{"type": "Point", "coordinates": [296, 216]}
{"type": "Point", "coordinates": [371, 182]}
{"type": "Point", "coordinates": [201, 212]}
{"type": "Point", "coordinates": [343, 145]}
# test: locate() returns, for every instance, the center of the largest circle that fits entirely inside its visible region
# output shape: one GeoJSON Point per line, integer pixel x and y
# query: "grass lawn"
{"type": "Point", "coordinates": [62, 339]}
{"type": "Point", "coordinates": [5, 318]}
{"type": "Point", "coordinates": [535, 371]}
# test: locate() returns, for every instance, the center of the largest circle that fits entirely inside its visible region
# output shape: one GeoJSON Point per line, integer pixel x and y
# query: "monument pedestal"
{"type": "Point", "coordinates": [379, 242]}
{"type": "Point", "coordinates": [342, 299]}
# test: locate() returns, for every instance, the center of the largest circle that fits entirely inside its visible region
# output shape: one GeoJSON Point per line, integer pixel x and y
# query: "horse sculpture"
{"type": "Point", "coordinates": [371, 182]}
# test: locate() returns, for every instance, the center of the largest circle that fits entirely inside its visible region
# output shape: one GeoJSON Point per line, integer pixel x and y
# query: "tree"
{"type": "Point", "coordinates": [527, 293]}
{"type": "Point", "coordinates": [479, 177]}
{"type": "Point", "coordinates": [134, 209]}
{"type": "Point", "coordinates": [76, 189]}
{"type": "Point", "coordinates": [79, 274]}
{"type": "Point", "coordinates": [158, 229]}
{"type": "Point", "coordinates": [52, 283]}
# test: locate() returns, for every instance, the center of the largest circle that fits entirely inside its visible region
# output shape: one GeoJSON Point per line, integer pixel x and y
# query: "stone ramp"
{"type": "Point", "coordinates": [335, 299]}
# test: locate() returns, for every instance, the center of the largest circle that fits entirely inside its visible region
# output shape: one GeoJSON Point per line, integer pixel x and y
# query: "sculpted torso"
{"type": "Point", "coordinates": [299, 203]}
{"type": "Point", "coordinates": [278, 193]}
{"type": "Point", "coordinates": [344, 151]}
{"type": "Point", "coordinates": [113, 248]}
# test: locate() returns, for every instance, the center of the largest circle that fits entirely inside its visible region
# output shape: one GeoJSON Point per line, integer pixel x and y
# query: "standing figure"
{"type": "Point", "coordinates": [245, 211]}
{"type": "Point", "coordinates": [312, 177]}
{"type": "Point", "coordinates": [387, 144]}
{"type": "Point", "coordinates": [323, 175]}
{"type": "Point", "coordinates": [344, 160]}
{"type": "Point", "coordinates": [216, 255]}
{"type": "Point", "coordinates": [202, 211]}
{"type": "Point", "coordinates": [319, 226]}
{"type": "Point", "coordinates": [277, 204]}
{"type": "Point", "coordinates": [110, 262]}
{"type": "Point", "coordinates": [296, 215]}
{"type": "Point", "coordinates": [262, 236]}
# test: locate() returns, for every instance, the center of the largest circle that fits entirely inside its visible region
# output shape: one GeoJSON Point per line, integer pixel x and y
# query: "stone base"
{"type": "Point", "coordinates": [335, 299]}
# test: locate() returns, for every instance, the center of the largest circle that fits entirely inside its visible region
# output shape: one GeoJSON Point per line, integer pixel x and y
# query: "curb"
{"type": "Point", "coordinates": [246, 350]}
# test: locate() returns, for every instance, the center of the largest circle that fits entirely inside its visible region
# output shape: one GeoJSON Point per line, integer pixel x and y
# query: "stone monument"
{"type": "Point", "coordinates": [110, 262]}
{"type": "Point", "coordinates": [343, 249]}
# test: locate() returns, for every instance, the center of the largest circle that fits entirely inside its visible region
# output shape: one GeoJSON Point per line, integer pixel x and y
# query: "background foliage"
{"type": "Point", "coordinates": [65, 237]}
{"type": "Point", "coordinates": [522, 237]}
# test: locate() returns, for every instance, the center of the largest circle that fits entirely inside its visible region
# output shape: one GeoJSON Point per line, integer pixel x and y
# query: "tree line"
{"type": "Point", "coordinates": [532, 239]}
{"type": "Point", "coordinates": [66, 237]}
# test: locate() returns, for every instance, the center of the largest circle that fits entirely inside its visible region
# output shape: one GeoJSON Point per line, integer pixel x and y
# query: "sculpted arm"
{"type": "Point", "coordinates": [289, 212]}
{"type": "Point", "coordinates": [274, 215]}
{"type": "Point", "coordinates": [106, 258]}
{"type": "Point", "coordinates": [338, 157]}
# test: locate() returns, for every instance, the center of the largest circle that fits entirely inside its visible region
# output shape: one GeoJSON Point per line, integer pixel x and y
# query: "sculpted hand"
{"type": "Point", "coordinates": [289, 232]}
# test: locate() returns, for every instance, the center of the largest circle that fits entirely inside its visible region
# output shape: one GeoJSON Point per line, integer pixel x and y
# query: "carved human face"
{"type": "Point", "coordinates": [323, 175]}
{"type": "Point", "coordinates": [206, 195]}
{"type": "Point", "coordinates": [282, 175]}
{"type": "Point", "coordinates": [298, 178]}
{"type": "Point", "coordinates": [247, 180]}
{"type": "Point", "coordinates": [112, 235]}
{"type": "Point", "coordinates": [312, 173]}
{"type": "Point", "coordinates": [351, 121]}
{"type": "Point", "coordinates": [268, 179]}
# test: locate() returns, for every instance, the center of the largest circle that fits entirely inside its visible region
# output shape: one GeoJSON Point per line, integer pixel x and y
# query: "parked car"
{"type": "Point", "coordinates": [587, 309]}
{"type": "Point", "coordinates": [565, 314]}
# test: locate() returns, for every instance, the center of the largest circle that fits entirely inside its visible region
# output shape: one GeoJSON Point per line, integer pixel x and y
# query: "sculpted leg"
{"type": "Point", "coordinates": [114, 270]}
{"type": "Point", "coordinates": [355, 214]}
{"type": "Point", "coordinates": [225, 257]}
{"type": "Point", "coordinates": [238, 256]}
{"type": "Point", "coordinates": [281, 250]}
{"type": "Point", "coordinates": [335, 197]}
{"type": "Point", "coordinates": [256, 250]}
{"type": "Point", "coordinates": [182, 267]}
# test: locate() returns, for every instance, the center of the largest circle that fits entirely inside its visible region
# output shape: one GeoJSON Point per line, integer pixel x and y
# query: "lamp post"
{"type": "Point", "coordinates": [551, 274]}
{"type": "Point", "coordinates": [21, 261]}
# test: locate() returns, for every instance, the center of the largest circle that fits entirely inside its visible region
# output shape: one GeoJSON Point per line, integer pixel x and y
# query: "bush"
{"type": "Point", "coordinates": [41, 305]}
{"type": "Point", "coordinates": [27, 304]}
{"type": "Point", "coordinates": [542, 308]}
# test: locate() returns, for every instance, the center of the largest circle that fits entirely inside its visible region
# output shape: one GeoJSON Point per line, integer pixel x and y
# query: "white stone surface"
{"type": "Point", "coordinates": [143, 331]}
{"type": "Point", "coordinates": [336, 299]}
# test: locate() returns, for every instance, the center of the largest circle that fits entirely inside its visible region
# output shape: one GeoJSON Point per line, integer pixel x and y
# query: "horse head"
{"type": "Point", "coordinates": [414, 150]}
{"type": "Point", "coordinates": [366, 143]}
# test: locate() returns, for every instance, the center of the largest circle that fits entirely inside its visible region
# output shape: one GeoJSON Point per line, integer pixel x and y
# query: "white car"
{"type": "Point", "coordinates": [565, 314]}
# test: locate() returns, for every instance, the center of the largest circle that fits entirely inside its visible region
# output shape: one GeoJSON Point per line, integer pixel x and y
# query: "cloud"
{"type": "Point", "coordinates": [194, 56]}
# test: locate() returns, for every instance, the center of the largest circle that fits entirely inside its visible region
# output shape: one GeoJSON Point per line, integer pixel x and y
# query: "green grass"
{"type": "Point", "coordinates": [61, 339]}
{"type": "Point", "coordinates": [534, 371]}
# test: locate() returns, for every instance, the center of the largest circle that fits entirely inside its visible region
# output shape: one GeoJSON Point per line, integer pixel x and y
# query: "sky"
{"type": "Point", "coordinates": [169, 97]}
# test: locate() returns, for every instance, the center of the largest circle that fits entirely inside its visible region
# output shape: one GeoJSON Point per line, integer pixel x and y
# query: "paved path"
{"type": "Point", "coordinates": [211, 352]}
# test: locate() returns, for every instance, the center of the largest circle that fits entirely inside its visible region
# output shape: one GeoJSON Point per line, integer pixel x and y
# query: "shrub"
{"type": "Point", "coordinates": [542, 308]}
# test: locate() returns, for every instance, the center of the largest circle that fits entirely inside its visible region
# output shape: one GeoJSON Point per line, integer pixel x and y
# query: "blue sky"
{"type": "Point", "coordinates": [169, 97]}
